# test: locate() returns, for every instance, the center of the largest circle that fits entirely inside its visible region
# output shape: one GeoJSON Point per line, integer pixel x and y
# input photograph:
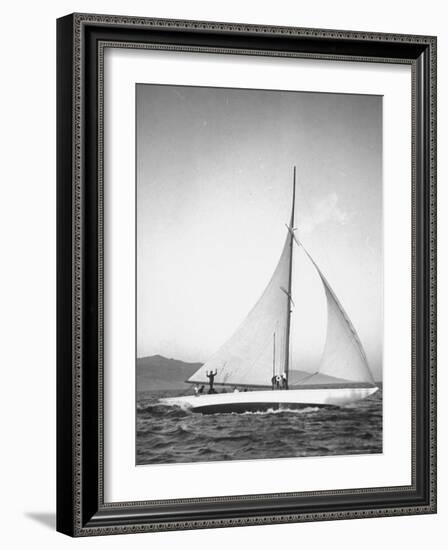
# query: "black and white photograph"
{"type": "Point", "coordinates": [259, 274]}
{"type": "Point", "coordinates": [222, 240]}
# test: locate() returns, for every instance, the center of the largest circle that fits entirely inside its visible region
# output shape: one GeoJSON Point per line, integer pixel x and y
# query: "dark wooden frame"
{"type": "Point", "coordinates": [81, 509]}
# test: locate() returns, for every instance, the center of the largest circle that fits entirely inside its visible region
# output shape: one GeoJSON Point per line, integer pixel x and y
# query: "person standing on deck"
{"type": "Point", "coordinates": [211, 377]}
{"type": "Point", "coordinates": [284, 381]}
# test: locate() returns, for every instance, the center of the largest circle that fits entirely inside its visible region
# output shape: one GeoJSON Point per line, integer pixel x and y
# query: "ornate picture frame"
{"type": "Point", "coordinates": [81, 506]}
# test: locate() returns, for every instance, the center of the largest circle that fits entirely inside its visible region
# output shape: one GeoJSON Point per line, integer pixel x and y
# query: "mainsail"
{"type": "Point", "coordinates": [247, 357]}
{"type": "Point", "coordinates": [260, 346]}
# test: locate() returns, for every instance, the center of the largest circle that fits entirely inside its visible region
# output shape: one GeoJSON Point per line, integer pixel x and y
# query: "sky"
{"type": "Point", "coordinates": [214, 187]}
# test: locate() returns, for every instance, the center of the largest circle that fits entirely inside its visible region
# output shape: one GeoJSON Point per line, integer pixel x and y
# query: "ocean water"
{"type": "Point", "coordinates": [168, 434]}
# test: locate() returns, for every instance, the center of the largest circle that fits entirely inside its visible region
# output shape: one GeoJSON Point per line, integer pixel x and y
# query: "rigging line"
{"type": "Point", "coordinates": [306, 377]}
{"type": "Point", "coordinates": [289, 295]}
{"type": "Point", "coordinates": [291, 231]}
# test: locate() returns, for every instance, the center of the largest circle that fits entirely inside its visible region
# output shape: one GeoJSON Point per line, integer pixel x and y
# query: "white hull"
{"type": "Point", "coordinates": [269, 399]}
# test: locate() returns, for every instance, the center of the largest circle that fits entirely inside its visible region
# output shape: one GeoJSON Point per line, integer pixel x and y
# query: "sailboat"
{"type": "Point", "coordinates": [255, 361]}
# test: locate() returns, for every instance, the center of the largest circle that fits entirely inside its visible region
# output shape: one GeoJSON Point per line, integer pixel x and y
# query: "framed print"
{"type": "Point", "coordinates": [246, 274]}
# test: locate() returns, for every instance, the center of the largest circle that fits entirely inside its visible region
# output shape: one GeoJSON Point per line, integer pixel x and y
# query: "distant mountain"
{"type": "Point", "coordinates": [160, 373]}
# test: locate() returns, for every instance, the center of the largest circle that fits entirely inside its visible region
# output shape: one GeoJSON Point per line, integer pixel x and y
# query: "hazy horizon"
{"type": "Point", "coordinates": [214, 183]}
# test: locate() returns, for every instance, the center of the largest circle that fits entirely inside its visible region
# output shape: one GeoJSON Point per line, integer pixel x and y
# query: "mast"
{"type": "Point", "coordinates": [289, 294]}
{"type": "Point", "coordinates": [248, 357]}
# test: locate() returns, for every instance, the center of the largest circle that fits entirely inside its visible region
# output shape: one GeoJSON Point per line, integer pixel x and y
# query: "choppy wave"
{"type": "Point", "coordinates": [168, 434]}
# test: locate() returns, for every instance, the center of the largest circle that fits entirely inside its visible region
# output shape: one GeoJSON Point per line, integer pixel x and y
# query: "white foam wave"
{"type": "Point", "coordinates": [305, 410]}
